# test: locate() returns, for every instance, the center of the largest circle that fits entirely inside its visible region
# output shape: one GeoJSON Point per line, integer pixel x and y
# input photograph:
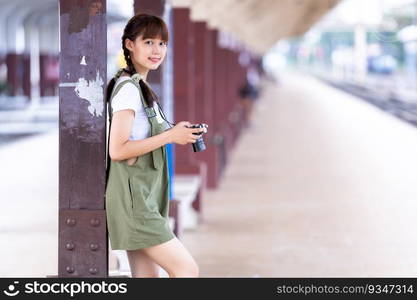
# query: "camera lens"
{"type": "Point", "coordinates": [199, 143]}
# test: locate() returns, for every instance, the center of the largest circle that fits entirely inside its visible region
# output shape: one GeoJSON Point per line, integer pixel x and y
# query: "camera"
{"type": "Point", "coordinates": [199, 143]}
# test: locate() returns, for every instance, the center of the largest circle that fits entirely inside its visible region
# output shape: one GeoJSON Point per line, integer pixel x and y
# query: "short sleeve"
{"type": "Point", "coordinates": [128, 97]}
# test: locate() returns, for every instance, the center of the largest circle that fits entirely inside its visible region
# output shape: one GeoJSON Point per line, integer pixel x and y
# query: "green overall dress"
{"type": "Point", "coordinates": [137, 196]}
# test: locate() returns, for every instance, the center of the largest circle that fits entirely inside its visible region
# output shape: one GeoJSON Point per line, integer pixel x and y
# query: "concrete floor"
{"type": "Point", "coordinates": [323, 185]}
{"type": "Point", "coordinates": [29, 206]}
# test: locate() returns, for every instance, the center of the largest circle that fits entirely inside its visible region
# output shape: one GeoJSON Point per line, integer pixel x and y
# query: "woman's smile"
{"type": "Point", "coordinates": [154, 59]}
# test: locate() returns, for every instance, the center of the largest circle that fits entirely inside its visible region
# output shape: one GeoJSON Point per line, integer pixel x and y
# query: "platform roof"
{"type": "Point", "coordinates": [258, 24]}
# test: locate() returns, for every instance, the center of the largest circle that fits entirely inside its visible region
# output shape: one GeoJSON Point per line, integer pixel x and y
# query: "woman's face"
{"type": "Point", "coordinates": [148, 53]}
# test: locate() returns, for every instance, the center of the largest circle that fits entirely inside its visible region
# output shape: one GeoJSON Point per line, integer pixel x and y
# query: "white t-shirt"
{"type": "Point", "coordinates": [128, 97]}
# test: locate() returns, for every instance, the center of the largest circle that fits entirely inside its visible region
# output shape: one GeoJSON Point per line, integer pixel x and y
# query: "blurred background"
{"type": "Point", "coordinates": [312, 113]}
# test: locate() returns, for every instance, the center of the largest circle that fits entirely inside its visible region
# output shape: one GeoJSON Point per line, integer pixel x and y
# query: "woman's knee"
{"type": "Point", "coordinates": [145, 274]}
{"type": "Point", "coordinates": [174, 258]}
{"type": "Point", "coordinates": [194, 270]}
{"type": "Point", "coordinates": [190, 269]}
{"type": "Point", "coordinates": [141, 265]}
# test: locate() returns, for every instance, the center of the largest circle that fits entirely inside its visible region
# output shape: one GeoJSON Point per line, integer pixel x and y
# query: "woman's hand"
{"type": "Point", "coordinates": [131, 161]}
{"type": "Point", "coordinates": [204, 128]}
{"type": "Point", "coordinates": [182, 135]}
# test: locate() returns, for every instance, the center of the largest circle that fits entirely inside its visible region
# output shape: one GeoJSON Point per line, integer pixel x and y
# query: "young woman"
{"type": "Point", "coordinates": [137, 188]}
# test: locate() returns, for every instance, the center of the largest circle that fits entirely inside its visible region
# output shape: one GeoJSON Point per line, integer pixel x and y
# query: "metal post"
{"type": "Point", "coordinates": [202, 92]}
{"type": "Point", "coordinates": [220, 98]}
{"type": "Point", "coordinates": [83, 241]}
{"type": "Point", "coordinates": [214, 154]}
{"type": "Point", "coordinates": [204, 70]}
{"type": "Point", "coordinates": [184, 96]}
{"type": "Point", "coordinates": [199, 78]}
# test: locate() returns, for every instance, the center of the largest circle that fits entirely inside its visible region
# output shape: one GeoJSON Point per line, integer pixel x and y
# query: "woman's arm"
{"type": "Point", "coordinates": [121, 148]}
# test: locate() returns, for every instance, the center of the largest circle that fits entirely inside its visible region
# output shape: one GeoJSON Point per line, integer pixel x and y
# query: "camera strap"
{"type": "Point", "coordinates": [161, 112]}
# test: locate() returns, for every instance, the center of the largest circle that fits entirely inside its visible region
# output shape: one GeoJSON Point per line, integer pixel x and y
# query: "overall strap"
{"type": "Point", "coordinates": [110, 112]}
{"type": "Point", "coordinates": [117, 89]}
{"type": "Point", "coordinates": [158, 154]}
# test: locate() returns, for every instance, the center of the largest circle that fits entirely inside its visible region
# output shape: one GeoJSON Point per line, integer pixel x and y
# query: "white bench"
{"type": "Point", "coordinates": [188, 188]}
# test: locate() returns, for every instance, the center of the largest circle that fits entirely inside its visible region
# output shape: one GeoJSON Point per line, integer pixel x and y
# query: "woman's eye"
{"type": "Point", "coordinates": [151, 42]}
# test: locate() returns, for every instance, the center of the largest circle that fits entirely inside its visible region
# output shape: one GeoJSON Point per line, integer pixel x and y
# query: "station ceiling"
{"type": "Point", "coordinates": [258, 24]}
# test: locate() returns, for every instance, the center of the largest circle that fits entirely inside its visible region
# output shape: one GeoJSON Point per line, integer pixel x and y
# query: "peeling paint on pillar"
{"type": "Point", "coordinates": [82, 114]}
{"type": "Point", "coordinates": [91, 91]}
{"type": "Point", "coordinates": [83, 61]}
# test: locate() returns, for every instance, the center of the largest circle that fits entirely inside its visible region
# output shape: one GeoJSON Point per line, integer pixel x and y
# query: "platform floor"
{"type": "Point", "coordinates": [322, 185]}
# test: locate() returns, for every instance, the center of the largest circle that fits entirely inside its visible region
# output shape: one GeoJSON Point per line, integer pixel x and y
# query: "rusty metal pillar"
{"type": "Point", "coordinates": [237, 81]}
{"type": "Point", "coordinates": [203, 85]}
{"type": "Point", "coordinates": [221, 98]}
{"type": "Point", "coordinates": [42, 74]}
{"type": "Point", "coordinates": [13, 61]}
{"type": "Point", "coordinates": [47, 84]}
{"type": "Point", "coordinates": [205, 103]}
{"type": "Point", "coordinates": [235, 107]}
{"type": "Point", "coordinates": [230, 97]}
{"type": "Point", "coordinates": [26, 75]}
{"type": "Point", "coordinates": [83, 240]}
{"type": "Point", "coordinates": [199, 72]}
{"type": "Point", "coordinates": [213, 152]}
{"type": "Point", "coordinates": [228, 101]}
{"type": "Point", "coordinates": [184, 92]}
{"type": "Point", "coordinates": [213, 106]}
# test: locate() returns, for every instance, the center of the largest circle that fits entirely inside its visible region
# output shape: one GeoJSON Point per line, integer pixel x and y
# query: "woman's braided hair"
{"type": "Point", "coordinates": [149, 26]}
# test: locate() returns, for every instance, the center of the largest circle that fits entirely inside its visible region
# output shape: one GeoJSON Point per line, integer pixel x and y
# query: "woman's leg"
{"type": "Point", "coordinates": [174, 258]}
{"type": "Point", "coordinates": [142, 265]}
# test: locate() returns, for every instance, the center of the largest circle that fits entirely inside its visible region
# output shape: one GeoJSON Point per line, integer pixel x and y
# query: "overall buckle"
{"type": "Point", "coordinates": [150, 112]}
